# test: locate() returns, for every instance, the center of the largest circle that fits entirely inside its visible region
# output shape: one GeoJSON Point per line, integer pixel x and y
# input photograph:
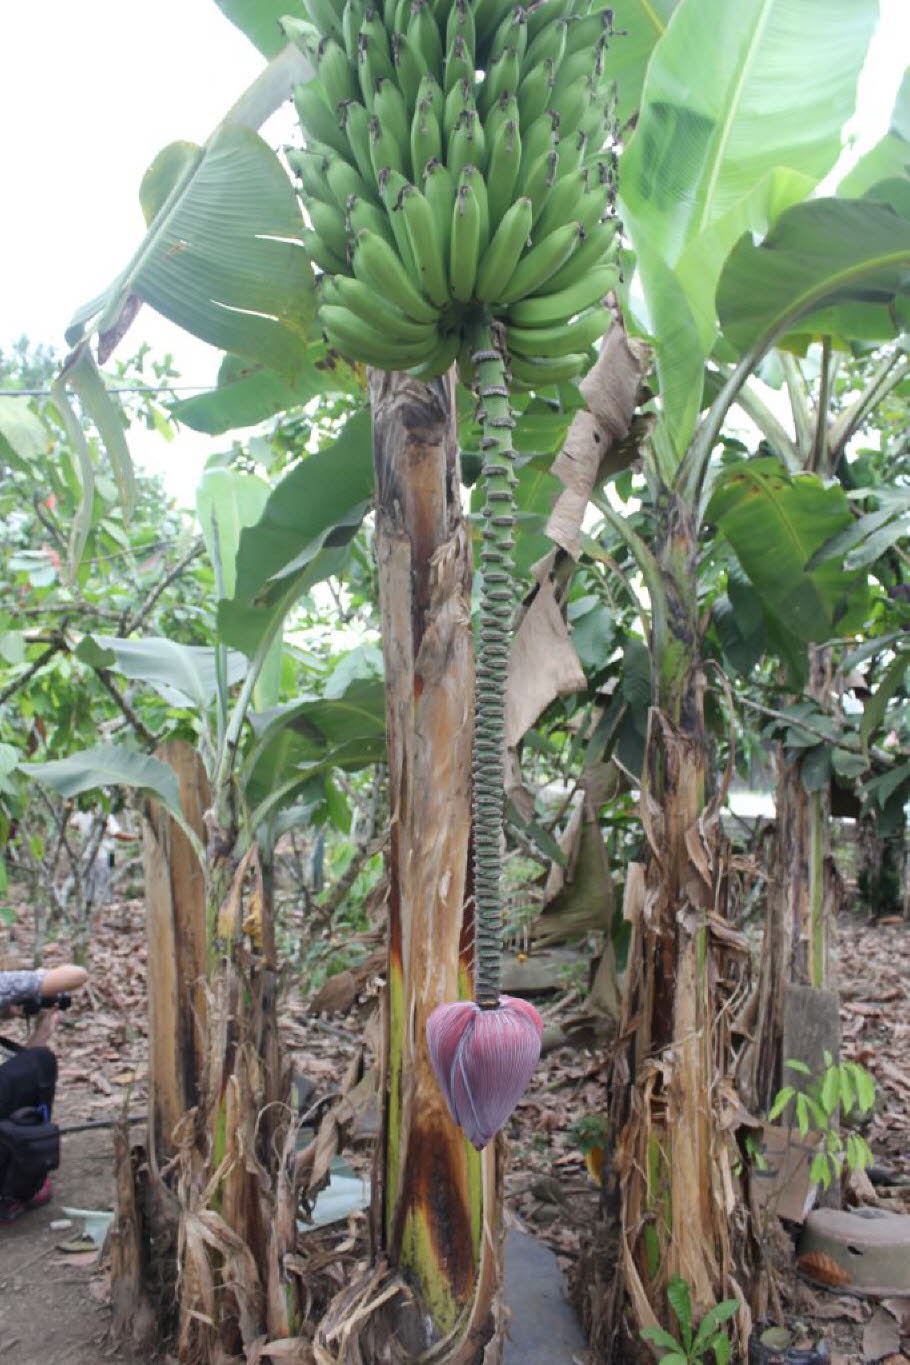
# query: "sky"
{"type": "Point", "coordinates": [91, 90]}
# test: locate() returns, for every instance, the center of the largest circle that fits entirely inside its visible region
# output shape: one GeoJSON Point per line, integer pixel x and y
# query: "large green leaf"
{"type": "Point", "coordinates": [108, 765]}
{"type": "Point", "coordinates": [699, 266]}
{"type": "Point", "coordinates": [678, 350]}
{"type": "Point", "coordinates": [224, 257]}
{"type": "Point", "coordinates": [732, 92]}
{"type": "Point", "coordinates": [741, 115]}
{"type": "Point", "coordinates": [818, 255]}
{"type": "Point", "coordinates": [775, 524]}
{"type": "Point", "coordinates": [184, 675]}
{"type": "Point", "coordinates": [301, 537]}
{"type": "Point", "coordinates": [260, 20]}
{"type": "Point", "coordinates": [638, 24]}
{"type": "Point", "coordinates": [249, 394]}
{"type": "Point", "coordinates": [870, 536]}
{"type": "Point", "coordinates": [312, 735]}
{"type": "Point", "coordinates": [890, 156]}
{"type": "Point", "coordinates": [326, 490]}
{"type": "Point", "coordinates": [227, 501]}
{"type": "Point", "coordinates": [22, 436]}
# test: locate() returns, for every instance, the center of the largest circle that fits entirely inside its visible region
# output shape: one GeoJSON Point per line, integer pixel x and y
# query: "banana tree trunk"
{"type": "Point", "coordinates": [436, 1211]}
{"type": "Point", "coordinates": [204, 1226]}
{"type": "Point", "coordinates": [672, 1180]}
{"type": "Point", "coordinates": [801, 909]}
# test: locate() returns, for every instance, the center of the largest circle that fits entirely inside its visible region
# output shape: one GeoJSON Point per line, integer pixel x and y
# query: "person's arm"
{"type": "Point", "coordinates": [18, 987]}
{"type": "Point", "coordinates": [66, 978]}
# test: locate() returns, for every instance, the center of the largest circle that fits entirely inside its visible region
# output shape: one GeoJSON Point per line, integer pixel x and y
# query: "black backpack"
{"type": "Point", "coordinates": [29, 1151]}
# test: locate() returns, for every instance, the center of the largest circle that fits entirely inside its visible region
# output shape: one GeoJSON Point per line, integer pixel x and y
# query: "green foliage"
{"type": "Point", "coordinates": [693, 1346]}
{"type": "Point", "coordinates": [844, 1088]}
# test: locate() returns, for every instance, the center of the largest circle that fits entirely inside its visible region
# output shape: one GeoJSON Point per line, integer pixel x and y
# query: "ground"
{"type": "Point", "coordinates": [53, 1303]}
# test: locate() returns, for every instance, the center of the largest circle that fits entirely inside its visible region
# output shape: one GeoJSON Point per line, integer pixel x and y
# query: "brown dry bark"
{"type": "Point", "coordinates": [436, 1213]}
{"type": "Point", "coordinates": [672, 1183]}
{"type": "Point", "coordinates": [801, 905]}
{"type": "Point", "coordinates": [175, 914]}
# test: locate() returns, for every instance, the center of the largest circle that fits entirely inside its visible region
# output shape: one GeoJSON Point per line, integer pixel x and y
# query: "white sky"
{"type": "Point", "coordinates": [91, 90]}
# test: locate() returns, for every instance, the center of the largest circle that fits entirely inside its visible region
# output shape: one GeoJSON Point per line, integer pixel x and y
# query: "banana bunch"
{"type": "Point", "coordinates": [455, 168]}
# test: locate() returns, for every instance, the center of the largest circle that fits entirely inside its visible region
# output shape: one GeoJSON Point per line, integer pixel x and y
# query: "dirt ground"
{"type": "Point", "coordinates": [53, 1303]}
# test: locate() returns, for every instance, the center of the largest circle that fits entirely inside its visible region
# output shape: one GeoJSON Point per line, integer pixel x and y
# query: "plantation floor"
{"type": "Point", "coordinates": [53, 1304]}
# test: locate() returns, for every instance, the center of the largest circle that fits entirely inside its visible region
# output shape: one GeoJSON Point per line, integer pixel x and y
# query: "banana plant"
{"type": "Point", "coordinates": [698, 184]}
{"type": "Point", "coordinates": [264, 768]}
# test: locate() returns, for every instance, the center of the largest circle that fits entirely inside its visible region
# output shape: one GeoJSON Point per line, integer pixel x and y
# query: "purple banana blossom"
{"type": "Point", "coordinates": [483, 1060]}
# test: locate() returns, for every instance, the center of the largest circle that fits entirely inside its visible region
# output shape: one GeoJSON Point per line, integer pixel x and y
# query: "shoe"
{"type": "Point", "coordinates": [11, 1209]}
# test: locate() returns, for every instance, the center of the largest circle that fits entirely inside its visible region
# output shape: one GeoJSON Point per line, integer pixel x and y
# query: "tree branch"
{"type": "Point", "coordinates": [113, 690]}
{"type": "Point", "coordinates": [30, 672]}
{"type": "Point", "coordinates": [128, 623]}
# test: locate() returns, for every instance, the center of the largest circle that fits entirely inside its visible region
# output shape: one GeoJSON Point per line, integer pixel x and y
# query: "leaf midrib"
{"type": "Point", "coordinates": [705, 216]}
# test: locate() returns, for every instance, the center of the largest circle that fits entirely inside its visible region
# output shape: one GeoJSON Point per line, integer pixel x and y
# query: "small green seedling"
{"type": "Point", "coordinates": [843, 1085]}
{"type": "Point", "coordinates": [693, 1347]}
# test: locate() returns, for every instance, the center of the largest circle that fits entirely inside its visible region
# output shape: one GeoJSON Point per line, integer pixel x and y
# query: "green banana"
{"type": "Point", "coordinates": [336, 73]}
{"type": "Point", "coordinates": [328, 224]}
{"type": "Point", "coordinates": [539, 180]}
{"type": "Point", "coordinates": [512, 31]}
{"type": "Point", "coordinates": [319, 252]}
{"type": "Point", "coordinates": [470, 175]}
{"type": "Point", "coordinates": [542, 261]}
{"type": "Point", "coordinates": [429, 265]}
{"type": "Point", "coordinates": [465, 146]}
{"type": "Point", "coordinates": [464, 250]}
{"type": "Point", "coordinates": [564, 194]}
{"type": "Point", "coordinates": [408, 70]}
{"type": "Point", "coordinates": [505, 110]}
{"type": "Point", "coordinates": [535, 91]}
{"type": "Point", "coordinates": [597, 248]}
{"type": "Point", "coordinates": [391, 186]}
{"type": "Point", "coordinates": [426, 137]}
{"type": "Point", "coordinates": [385, 150]}
{"type": "Point", "coordinates": [439, 188]}
{"type": "Point", "coordinates": [378, 311]}
{"type": "Point", "coordinates": [537, 138]}
{"type": "Point", "coordinates": [542, 309]}
{"type": "Point", "coordinates": [548, 45]}
{"type": "Point", "coordinates": [361, 214]}
{"type": "Point", "coordinates": [563, 338]}
{"type": "Point", "coordinates": [359, 341]}
{"type": "Point", "coordinates": [442, 359]}
{"type": "Point", "coordinates": [367, 76]}
{"type": "Point", "coordinates": [488, 14]}
{"type": "Point", "coordinates": [325, 18]}
{"type": "Point", "coordinates": [573, 105]}
{"type": "Point", "coordinates": [374, 35]}
{"type": "Point", "coordinates": [310, 168]}
{"type": "Point", "coordinates": [430, 89]}
{"type": "Point", "coordinates": [572, 152]}
{"type": "Point", "coordinates": [502, 76]}
{"type": "Point", "coordinates": [352, 17]}
{"type": "Point", "coordinates": [574, 70]}
{"type": "Point", "coordinates": [317, 119]}
{"type": "Point", "coordinates": [499, 261]}
{"type": "Point", "coordinates": [343, 181]}
{"type": "Point", "coordinates": [423, 32]}
{"type": "Point", "coordinates": [502, 169]}
{"type": "Point", "coordinates": [379, 266]}
{"type": "Point", "coordinates": [589, 31]}
{"type": "Point", "coordinates": [356, 124]}
{"type": "Point", "coordinates": [461, 25]}
{"type": "Point", "coordinates": [389, 107]}
{"type": "Point", "coordinates": [459, 64]}
{"type": "Point", "coordinates": [459, 100]}
{"type": "Point", "coordinates": [534, 372]}
{"type": "Point", "coordinates": [545, 12]}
